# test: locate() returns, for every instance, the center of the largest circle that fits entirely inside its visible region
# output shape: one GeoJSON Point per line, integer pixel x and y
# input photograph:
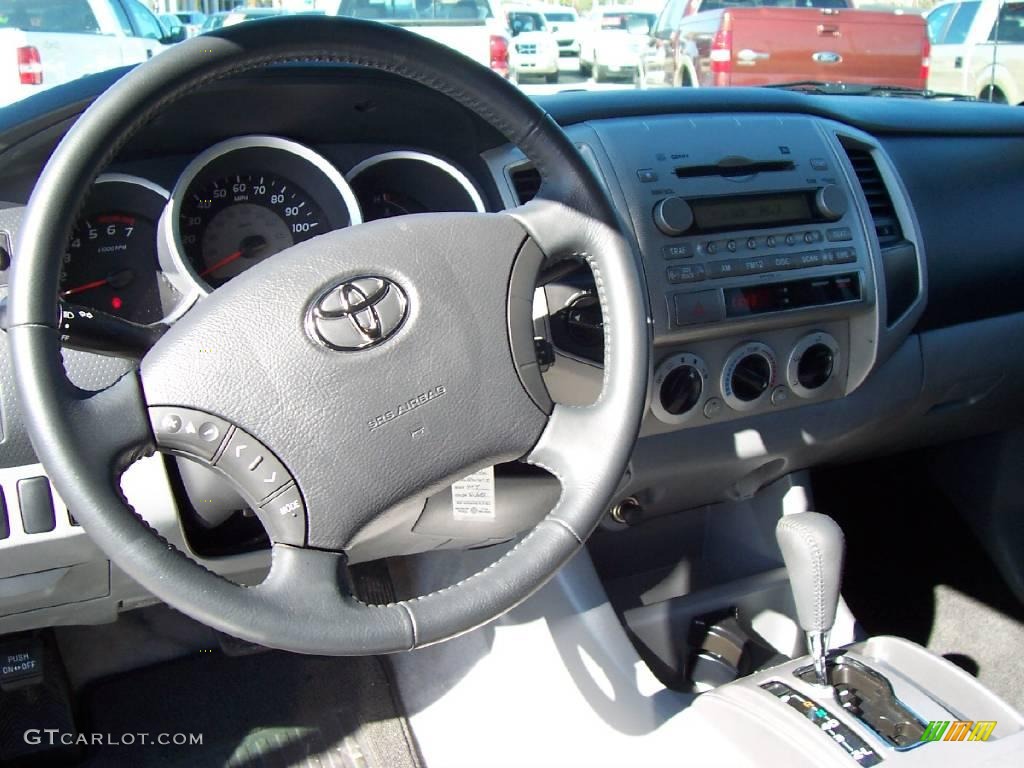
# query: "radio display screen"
{"type": "Point", "coordinates": [712, 214]}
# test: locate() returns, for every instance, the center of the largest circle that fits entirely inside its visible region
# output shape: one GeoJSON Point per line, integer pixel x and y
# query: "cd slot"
{"type": "Point", "coordinates": [732, 170]}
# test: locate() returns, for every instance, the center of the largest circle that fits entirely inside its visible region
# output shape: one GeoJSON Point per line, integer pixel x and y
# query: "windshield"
{"type": "Point", "coordinates": [972, 49]}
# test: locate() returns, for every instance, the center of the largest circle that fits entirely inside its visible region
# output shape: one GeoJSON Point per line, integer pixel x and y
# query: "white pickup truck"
{"type": "Point", "coordinates": [978, 49]}
{"type": "Point", "coordinates": [475, 28]}
{"type": "Point", "coordinates": [44, 43]}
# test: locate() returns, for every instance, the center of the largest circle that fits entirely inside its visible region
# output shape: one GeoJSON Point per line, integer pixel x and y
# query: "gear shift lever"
{"type": "Point", "coordinates": [812, 547]}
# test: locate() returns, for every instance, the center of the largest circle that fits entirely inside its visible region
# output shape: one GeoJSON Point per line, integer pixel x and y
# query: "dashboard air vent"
{"type": "Point", "coordinates": [887, 224]}
{"type": "Point", "coordinates": [526, 182]}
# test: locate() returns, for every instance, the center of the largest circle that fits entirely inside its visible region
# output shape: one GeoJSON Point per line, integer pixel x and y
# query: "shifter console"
{"type": "Point", "coordinates": [868, 696]}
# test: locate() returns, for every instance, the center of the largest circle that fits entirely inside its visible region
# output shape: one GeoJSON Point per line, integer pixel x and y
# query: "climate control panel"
{"type": "Point", "coordinates": [718, 380]}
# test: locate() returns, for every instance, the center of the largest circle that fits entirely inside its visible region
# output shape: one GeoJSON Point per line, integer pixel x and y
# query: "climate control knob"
{"type": "Point", "coordinates": [673, 216]}
{"type": "Point", "coordinates": [812, 364]}
{"type": "Point", "coordinates": [679, 387]}
{"type": "Point", "coordinates": [748, 376]}
{"type": "Point", "coordinates": [830, 201]}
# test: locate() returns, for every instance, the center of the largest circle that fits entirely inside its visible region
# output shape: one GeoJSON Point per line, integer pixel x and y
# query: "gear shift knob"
{"type": "Point", "coordinates": [812, 547]}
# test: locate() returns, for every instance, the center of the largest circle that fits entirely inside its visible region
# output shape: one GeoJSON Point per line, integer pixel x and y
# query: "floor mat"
{"type": "Point", "coordinates": [914, 569]}
{"type": "Point", "coordinates": [268, 710]}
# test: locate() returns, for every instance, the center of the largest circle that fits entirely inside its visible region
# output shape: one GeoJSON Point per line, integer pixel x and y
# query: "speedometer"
{"type": "Point", "coordinates": [245, 199]}
{"type": "Point", "coordinates": [230, 223]}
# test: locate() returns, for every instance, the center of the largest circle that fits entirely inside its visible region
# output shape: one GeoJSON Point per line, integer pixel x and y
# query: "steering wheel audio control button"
{"type": "Point", "coordinates": [187, 431]}
{"type": "Point", "coordinates": [284, 517]}
{"type": "Point", "coordinates": [251, 464]}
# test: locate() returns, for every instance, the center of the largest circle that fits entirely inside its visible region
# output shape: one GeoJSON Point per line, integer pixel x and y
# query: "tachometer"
{"type": "Point", "coordinates": [111, 263]}
{"type": "Point", "coordinates": [245, 199]}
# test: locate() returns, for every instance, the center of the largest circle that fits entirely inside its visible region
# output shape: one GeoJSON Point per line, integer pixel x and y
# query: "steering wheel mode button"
{"type": "Point", "coordinates": [188, 431]}
{"type": "Point", "coordinates": [284, 517]}
{"type": "Point", "coordinates": [251, 464]}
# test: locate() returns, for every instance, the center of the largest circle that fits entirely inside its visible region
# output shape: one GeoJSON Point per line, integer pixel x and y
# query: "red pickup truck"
{"type": "Point", "coordinates": [766, 42]}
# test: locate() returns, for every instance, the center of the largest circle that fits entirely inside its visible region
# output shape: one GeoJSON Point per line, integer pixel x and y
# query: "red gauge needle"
{"type": "Point", "coordinates": [85, 287]}
{"type": "Point", "coordinates": [222, 263]}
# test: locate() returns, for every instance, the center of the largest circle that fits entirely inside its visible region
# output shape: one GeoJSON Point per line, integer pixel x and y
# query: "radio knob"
{"type": "Point", "coordinates": [673, 216]}
{"type": "Point", "coordinates": [830, 201]}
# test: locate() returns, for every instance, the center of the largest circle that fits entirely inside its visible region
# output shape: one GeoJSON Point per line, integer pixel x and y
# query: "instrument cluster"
{"type": "Point", "coordinates": [146, 254]}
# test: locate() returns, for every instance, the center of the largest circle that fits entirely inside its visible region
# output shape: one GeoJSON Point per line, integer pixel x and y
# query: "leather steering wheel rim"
{"type": "Point", "coordinates": [86, 439]}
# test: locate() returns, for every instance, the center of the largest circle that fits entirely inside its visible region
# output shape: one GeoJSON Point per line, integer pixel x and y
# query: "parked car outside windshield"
{"type": "Point", "coordinates": [969, 49]}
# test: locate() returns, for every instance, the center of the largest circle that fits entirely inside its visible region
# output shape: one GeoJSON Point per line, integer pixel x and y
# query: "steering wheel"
{"type": "Point", "coordinates": [346, 373]}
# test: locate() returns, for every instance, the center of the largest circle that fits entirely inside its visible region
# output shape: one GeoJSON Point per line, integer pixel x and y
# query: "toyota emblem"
{"type": "Point", "coordinates": [357, 314]}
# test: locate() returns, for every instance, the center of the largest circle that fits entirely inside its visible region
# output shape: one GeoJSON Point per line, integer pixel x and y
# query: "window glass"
{"type": "Point", "coordinates": [520, 22]}
{"type": "Point", "coordinates": [937, 21]}
{"type": "Point", "coordinates": [122, 19]}
{"type": "Point", "coordinates": [1011, 24]}
{"type": "Point", "coordinates": [49, 16]}
{"type": "Point", "coordinates": [712, 5]}
{"type": "Point", "coordinates": [410, 10]}
{"type": "Point", "coordinates": [145, 21]}
{"type": "Point", "coordinates": [961, 24]}
{"type": "Point", "coordinates": [622, 20]}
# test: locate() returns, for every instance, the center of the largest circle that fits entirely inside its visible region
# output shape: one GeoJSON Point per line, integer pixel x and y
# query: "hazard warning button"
{"type": "Point", "coordinates": [699, 307]}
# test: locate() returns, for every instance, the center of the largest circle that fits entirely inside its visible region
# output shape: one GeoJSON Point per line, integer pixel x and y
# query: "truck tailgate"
{"type": "Point", "coordinates": [777, 45]}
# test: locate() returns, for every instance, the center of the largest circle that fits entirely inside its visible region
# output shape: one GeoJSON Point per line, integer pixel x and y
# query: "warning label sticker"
{"type": "Point", "coordinates": [473, 496]}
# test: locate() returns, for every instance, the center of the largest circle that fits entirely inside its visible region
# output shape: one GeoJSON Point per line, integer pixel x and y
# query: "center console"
{"type": "Point", "coordinates": [925, 712]}
{"type": "Point", "coordinates": [782, 260]}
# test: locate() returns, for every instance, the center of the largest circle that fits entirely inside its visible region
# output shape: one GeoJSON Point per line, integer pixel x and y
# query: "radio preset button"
{"type": "Point", "coordinates": [770, 241]}
{"type": "Point", "coordinates": [711, 247]}
{"type": "Point", "coordinates": [691, 273]}
{"type": "Point", "coordinates": [814, 236]}
{"type": "Point", "coordinates": [730, 246]}
{"type": "Point", "coordinates": [839, 234]}
{"type": "Point", "coordinates": [677, 251]}
{"type": "Point", "coordinates": [752, 243]}
{"type": "Point", "coordinates": [790, 239]}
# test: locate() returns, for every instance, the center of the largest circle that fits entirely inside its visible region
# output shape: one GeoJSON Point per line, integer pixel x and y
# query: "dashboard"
{"type": "Point", "coordinates": [815, 295]}
{"type": "Point", "coordinates": [145, 253]}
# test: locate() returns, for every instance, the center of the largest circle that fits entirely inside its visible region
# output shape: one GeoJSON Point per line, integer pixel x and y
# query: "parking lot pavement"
{"type": "Point", "coordinates": [570, 79]}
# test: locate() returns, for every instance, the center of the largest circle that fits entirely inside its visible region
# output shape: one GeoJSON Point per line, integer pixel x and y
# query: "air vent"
{"type": "Point", "coordinates": [526, 182]}
{"type": "Point", "coordinates": [887, 224]}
